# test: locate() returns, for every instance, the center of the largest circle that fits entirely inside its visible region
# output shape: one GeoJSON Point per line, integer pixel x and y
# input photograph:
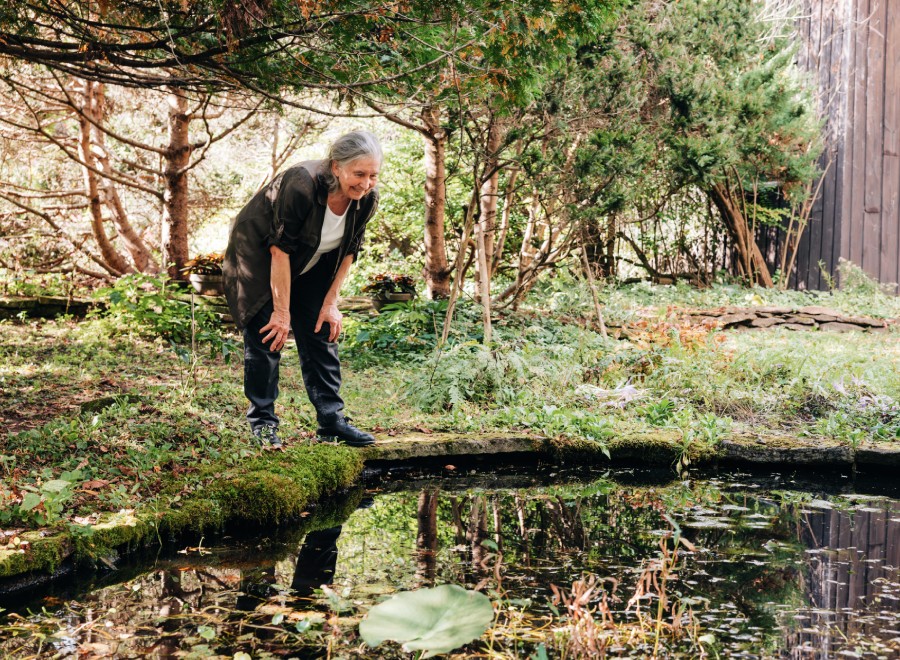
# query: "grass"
{"type": "Point", "coordinates": [99, 424]}
{"type": "Point", "coordinates": [102, 417]}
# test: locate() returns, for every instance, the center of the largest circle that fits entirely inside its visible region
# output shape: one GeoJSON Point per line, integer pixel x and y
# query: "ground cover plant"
{"type": "Point", "coordinates": [102, 415]}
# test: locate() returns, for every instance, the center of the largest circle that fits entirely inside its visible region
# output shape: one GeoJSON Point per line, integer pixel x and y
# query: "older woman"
{"type": "Point", "coordinates": [289, 251]}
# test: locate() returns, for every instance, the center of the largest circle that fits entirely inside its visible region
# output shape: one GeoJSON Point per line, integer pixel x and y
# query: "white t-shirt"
{"type": "Point", "coordinates": [332, 234]}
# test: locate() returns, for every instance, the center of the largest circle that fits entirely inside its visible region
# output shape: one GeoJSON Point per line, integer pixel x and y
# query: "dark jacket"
{"type": "Point", "coordinates": [287, 213]}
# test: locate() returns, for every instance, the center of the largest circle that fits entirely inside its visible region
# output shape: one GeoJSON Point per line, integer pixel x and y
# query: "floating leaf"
{"type": "Point", "coordinates": [432, 620]}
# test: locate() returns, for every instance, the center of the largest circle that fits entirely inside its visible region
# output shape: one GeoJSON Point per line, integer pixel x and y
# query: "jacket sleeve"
{"type": "Point", "coordinates": [292, 203]}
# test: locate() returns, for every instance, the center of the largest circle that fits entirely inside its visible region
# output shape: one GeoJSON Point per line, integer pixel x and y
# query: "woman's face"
{"type": "Point", "coordinates": [357, 177]}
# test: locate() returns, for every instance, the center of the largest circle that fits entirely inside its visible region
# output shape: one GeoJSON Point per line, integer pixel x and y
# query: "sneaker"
{"type": "Point", "coordinates": [267, 436]}
{"type": "Point", "coordinates": [345, 432]}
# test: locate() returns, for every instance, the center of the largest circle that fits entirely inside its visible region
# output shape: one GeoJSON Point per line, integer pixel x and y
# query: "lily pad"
{"type": "Point", "coordinates": [434, 620]}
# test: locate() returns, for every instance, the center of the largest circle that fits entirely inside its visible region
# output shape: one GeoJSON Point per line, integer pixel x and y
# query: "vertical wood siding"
{"type": "Point", "coordinates": [852, 50]}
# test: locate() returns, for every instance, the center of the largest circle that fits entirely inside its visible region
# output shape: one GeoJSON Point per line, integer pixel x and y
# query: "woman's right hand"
{"type": "Point", "coordinates": [278, 327]}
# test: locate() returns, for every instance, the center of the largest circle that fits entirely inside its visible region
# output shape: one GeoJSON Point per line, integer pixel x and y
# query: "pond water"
{"type": "Point", "coordinates": [771, 565]}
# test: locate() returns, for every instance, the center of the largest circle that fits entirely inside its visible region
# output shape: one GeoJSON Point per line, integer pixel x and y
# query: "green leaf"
{"type": "Point", "coordinates": [432, 620]}
{"type": "Point", "coordinates": [55, 486]}
{"type": "Point", "coordinates": [29, 501]}
{"type": "Point", "coordinates": [207, 632]}
{"type": "Point", "coordinates": [277, 619]}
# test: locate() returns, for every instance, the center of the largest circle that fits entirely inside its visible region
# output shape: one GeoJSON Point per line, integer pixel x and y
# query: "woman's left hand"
{"type": "Point", "coordinates": [331, 315]}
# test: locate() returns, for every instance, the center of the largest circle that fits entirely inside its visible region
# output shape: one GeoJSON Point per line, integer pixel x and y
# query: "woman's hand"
{"type": "Point", "coordinates": [331, 315]}
{"type": "Point", "coordinates": [278, 327]}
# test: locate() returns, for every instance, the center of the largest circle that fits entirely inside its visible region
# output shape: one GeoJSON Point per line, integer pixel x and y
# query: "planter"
{"type": "Point", "coordinates": [208, 285]}
{"type": "Point", "coordinates": [383, 299]}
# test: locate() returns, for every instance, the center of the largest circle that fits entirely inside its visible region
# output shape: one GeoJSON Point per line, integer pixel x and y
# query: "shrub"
{"type": "Point", "coordinates": [148, 305]}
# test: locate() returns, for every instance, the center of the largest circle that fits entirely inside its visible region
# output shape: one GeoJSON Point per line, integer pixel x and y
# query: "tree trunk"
{"type": "Point", "coordinates": [112, 260]}
{"type": "Point", "coordinates": [175, 198]}
{"type": "Point", "coordinates": [490, 188]}
{"type": "Point", "coordinates": [503, 228]}
{"type": "Point", "coordinates": [140, 253]}
{"type": "Point", "coordinates": [437, 273]}
{"type": "Point", "coordinates": [750, 259]}
{"type": "Point", "coordinates": [484, 278]}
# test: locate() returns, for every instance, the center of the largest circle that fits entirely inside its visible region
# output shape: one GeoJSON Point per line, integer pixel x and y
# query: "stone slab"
{"type": "Point", "coordinates": [767, 322]}
{"type": "Point", "coordinates": [837, 326]}
{"type": "Point", "coordinates": [774, 450]}
{"type": "Point", "coordinates": [864, 321]}
{"type": "Point", "coordinates": [44, 306]}
{"type": "Point", "coordinates": [771, 309]}
{"type": "Point", "coordinates": [818, 310]}
{"type": "Point", "coordinates": [736, 318]}
{"type": "Point", "coordinates": [882, 454]}
{"type": "Point", "coordinates": [433, 445]}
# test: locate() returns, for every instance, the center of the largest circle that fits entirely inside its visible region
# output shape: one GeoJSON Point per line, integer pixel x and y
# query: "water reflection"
{"type": "Point", "coordinates": [851, 580]}
{"type": "Point", "coordinates": [775, 571]}
{"type": "Point", "coordinates": [315, 566]}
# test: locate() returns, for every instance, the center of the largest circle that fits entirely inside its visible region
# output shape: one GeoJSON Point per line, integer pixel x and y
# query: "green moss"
{"type": "Point", "coordinates": [574, 449]}
{"type": "Point", "coordinates": [44, 554]}
{"type": "Point", "coordinates": [660, 447]}
{"type": "Point", "coordinates": [269, 487]}
{"type": "Point", "coordinates": [199, 513]}
{"type": "Point", "coordinates": [119, 531]}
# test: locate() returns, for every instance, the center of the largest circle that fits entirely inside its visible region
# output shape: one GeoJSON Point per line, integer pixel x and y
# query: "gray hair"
{"type": "Point", "coordinates": [346, 149]}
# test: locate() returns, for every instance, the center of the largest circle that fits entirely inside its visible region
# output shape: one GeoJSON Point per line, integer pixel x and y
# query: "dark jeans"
{"type": "Point", "coordinates": [319, 361]}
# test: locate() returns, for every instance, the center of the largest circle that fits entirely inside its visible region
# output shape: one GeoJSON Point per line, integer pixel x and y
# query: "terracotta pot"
{"type": "Point", "coordinates": [208, 285]}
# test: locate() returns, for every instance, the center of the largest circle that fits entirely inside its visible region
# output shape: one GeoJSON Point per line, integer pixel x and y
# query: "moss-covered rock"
{"type": "Point", "coordinates": [43, 553]}
{"type": "Point", "coordinates": [269, 488]}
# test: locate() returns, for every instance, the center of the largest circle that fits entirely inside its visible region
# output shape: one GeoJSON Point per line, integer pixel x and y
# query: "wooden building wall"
{"type": "Point", "coordinates": [852, 48]}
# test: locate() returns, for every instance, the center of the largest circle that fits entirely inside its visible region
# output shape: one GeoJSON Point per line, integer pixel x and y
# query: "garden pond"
{"type": "Point", "coordinates": [624, 563]}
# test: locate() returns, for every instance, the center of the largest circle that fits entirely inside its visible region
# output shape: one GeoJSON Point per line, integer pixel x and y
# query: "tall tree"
{"type": "Point", "coordinates": [127, 159]}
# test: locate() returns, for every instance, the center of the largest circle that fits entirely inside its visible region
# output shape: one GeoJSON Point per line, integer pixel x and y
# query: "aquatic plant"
{"type": "Point", "coordinates": [436, 620]}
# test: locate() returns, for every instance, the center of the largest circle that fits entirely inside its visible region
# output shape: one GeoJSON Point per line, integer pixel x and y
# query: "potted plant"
{"type": "Point", "coordinates": [386, 288]}
{"type": "Point", "coordinates": [205, 274]}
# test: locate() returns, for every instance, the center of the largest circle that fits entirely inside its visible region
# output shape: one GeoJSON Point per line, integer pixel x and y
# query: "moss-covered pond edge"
{"type": "Point", "coordinates": [276, 487]}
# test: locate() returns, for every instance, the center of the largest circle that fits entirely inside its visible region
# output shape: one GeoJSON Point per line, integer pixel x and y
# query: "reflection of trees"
{"type": "Point", "coordinates": [427, 537]}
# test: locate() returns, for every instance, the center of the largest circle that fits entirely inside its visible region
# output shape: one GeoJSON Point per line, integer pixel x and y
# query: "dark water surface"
{"type": "Point", "coordinates": [774, 566]}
